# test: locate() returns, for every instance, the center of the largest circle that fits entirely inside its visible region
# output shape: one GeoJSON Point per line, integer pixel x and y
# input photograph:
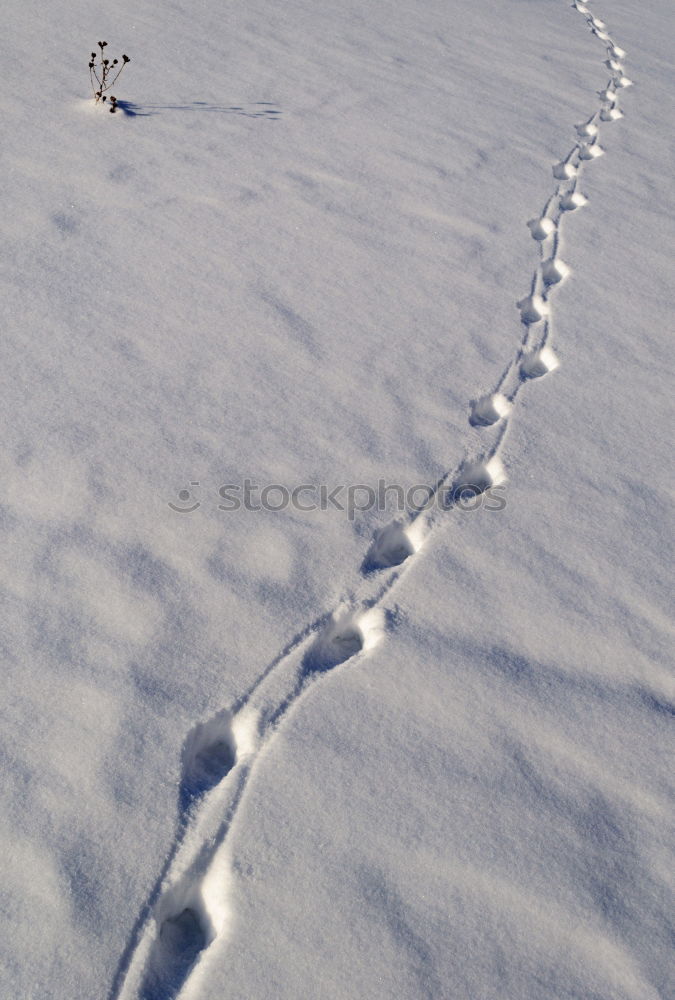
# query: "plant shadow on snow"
{"type": "Point", "coordinates": [132, 110]}
{"type": "Point", "coordinates": [260, 109]}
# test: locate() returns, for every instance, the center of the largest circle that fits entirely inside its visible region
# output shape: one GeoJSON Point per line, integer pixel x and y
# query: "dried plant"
{"type": "Point", "coordinates": [103, 75]}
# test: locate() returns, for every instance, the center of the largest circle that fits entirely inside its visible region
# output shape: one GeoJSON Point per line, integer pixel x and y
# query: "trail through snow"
{"type": "Point", "coordinates": [187, 912]}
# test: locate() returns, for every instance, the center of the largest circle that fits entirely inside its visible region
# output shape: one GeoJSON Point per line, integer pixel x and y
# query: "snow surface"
{"type": "Point", "coordinates": [302, 755]}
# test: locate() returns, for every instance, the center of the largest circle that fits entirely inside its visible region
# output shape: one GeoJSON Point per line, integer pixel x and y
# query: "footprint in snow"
{"type": "Point", "coordinates": [489, 410]}
{"type": "Point", "coordinates": [537, 363]}
{"type": "Point", "coordinates": [587, 130]}
{"type": "Point", "coordinates": [572, 201]}
{"type": "Point", "coordinates": [590, 150]}
{"type": "Point", "coordinates": [533, 308]}
{"type": "Point", "coordinates": [564, 171]}
{"type": "Point", "coordinates": [393, 544]}
{"type": "Point", "coordinates": [478, 476]}
{"type": "Point", "coordinates": [541, 228]}
{"type": "Point", "coordinates": [181, 938]}
{"type": "Point", "coordinates": [554, 270]}
{"type": "Point", "coordinates": [209, 753]}
{"type": "Point", "coordinates": [346, 634]}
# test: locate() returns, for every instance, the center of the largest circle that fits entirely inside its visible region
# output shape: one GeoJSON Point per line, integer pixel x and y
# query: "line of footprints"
{"type": "Point", "coordinates": [535, 357]}
{"type": "Point", "coordinates": [187, 908]}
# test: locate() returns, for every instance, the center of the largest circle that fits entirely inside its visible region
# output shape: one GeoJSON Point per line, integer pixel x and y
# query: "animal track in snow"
{"type": "Point", "coordinates": [180, 939]}
{"type": "Point", "coordinates": [345, 635]}
{"type": "Point", "coordinates": [533, 308]}
{"type": "Point", "coordinates": [209, 754]}
{"type": "Point", "coordinates": [591, 150]}
{"type": "Point", "coordinates": [587, 130]}
{"type": "Point", "coordinates": [489, 410]}
{"type": "Point", "coordinates": [188, 918]}
{"type": "Point", "coordinates": [393, 544]}
{"type": "Point", "coordinates": [479, 475]}
{"type": "Point", "coordinates": [540, 362]}
{"type": "Point", "coordinates": [542, 228]}
{"type": "Point", "coordinates": [187, 912]}
{"type": "Point", "coordinates": [554, 270]}
{"type": "Point", "coordinates": [608, 94]}
{"type": "Point", "coordinates": [572, 200]}
{"type": "Point", "coordinates": [563, 171]}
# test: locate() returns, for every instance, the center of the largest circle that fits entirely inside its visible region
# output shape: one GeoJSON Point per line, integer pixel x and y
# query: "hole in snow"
{"type": "Point", "coordinates": [392, 545]}
{"type": "Point", "coordinates": [564, 170]}
{"type": "Point", "coordinates": [533, 308]}
{"type": "Point", "coordinates": [180, 940]}
{"type": "Point", "coordinates": [475, 478]}
{"type": "Point", "coordinates": [209, 754]}
{"type": "Point", "coordinates": [554, 271]}
{"type": "Point", "coordinates": [541, 228]}
{"type": "Point", "coordinates": [344, 636]}
{"type": "Point", "coordinates": [489, 410]}
{"type": "Point", "coordinates": [538, 363]}
{"type": "Point", "coordinates": [572, 201]}
{"type": "Point", "coordinates": [590, 150]}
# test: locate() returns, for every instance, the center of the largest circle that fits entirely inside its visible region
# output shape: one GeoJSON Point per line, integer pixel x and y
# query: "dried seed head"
{"type": "Point", "coordinates": [112, 110]}
{"type": "Point", "coordinates": [113, 99]}
{"type": "Point", "coordinates": [114, 62]}
{"type": "Point", "coordinates": [93, 55]}
{"type": "Point", "coordinates": [104, 98]}
{"type": "Point", "coordinates": [126, 59]}
{"type": "Point", "coordinates": [106, 62]}
{"type": "Point", "coordinates": [91, 65]}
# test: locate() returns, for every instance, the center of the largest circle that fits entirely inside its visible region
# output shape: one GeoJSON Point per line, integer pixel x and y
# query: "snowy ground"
{"type": "Point", "coordinates": [242, 757]}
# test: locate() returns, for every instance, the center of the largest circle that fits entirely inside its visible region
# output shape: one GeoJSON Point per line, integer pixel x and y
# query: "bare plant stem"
{"type": "Point", "coordinates": [105, 69]}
